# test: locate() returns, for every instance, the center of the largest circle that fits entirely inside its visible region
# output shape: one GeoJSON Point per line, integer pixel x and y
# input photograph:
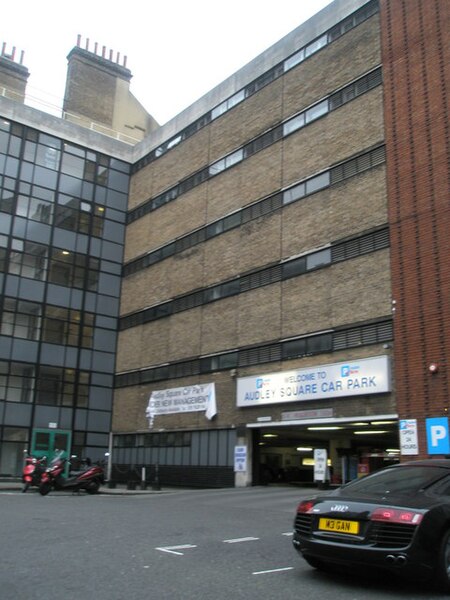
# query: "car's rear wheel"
{"type": "Point", "coordinates": [443, 566]}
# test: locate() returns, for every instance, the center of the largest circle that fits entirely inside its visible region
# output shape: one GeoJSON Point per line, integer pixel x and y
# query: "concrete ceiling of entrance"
{"type": "Point", "coordinates": [295, 435]}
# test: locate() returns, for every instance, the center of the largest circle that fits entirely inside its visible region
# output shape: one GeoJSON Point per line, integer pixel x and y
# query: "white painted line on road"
{"type": "Point", "coordinates": [238, 540]}
{"type": "Point", "coordinates": [273, 571]}
{"type": "Point", "coordinates": [172, 549]}
{"type": "Point", "coordinates": [289, 533]}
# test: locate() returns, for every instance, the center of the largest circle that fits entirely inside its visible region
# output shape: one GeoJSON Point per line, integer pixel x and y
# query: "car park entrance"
{"type": "Point", "coordinates": [285, 453]}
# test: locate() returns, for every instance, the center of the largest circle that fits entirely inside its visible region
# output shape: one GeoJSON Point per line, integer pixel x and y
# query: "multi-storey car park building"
{"type": "Point", "coordinates": [273, 262]}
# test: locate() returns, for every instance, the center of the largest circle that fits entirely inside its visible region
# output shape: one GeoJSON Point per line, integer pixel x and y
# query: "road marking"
{"type": "Point", "coordinates": [273, 571]}
{"type": "Point", "coordinates": [172, 549]}
{"type": "Point", "coordinates": [289, 533]}
{"type": "Point", "coordinates": [238, 540]}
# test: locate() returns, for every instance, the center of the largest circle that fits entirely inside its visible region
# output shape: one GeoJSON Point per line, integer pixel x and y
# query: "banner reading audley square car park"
{"type": "Point", "coordinates": [353, 378]}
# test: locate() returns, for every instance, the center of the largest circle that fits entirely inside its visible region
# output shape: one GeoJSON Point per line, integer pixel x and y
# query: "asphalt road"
{"type": "Point", "coordinates": [182, 545]}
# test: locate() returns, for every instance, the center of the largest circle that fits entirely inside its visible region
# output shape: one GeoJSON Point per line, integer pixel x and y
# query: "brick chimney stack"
{"type": "Point", "coordinates": [13, 75]}
{"type": "Point", "coordinates": [97, 91]}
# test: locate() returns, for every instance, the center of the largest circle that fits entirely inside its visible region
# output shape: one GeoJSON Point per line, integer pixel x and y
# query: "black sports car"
{"type": "Point", "coordinates": [397, 518]}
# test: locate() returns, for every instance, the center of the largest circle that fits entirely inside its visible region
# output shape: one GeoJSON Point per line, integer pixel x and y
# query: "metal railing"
{"type": "Point", "coordinates": [56, 111]}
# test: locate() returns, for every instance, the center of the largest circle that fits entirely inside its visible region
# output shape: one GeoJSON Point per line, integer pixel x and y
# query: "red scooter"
{"type": "Point", "coordinates": [88, 479]}
{"type": "Point", "coordinates": [32, 471]}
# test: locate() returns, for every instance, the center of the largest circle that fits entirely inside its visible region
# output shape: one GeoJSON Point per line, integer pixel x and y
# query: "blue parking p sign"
{"type": "Point", "coordinates": [438, 435]}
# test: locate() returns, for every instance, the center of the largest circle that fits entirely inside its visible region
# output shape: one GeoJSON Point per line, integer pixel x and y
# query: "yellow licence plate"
{"type": "Point", "coordinates": [339, 526]}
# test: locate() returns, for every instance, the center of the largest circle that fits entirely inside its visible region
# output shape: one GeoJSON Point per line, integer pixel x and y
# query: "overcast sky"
{"type": "Point", "coordinates": [177, 50]}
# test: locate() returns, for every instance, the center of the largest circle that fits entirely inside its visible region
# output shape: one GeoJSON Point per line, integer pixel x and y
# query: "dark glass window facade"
{"type": "Point", "coordinates": [62, 225]}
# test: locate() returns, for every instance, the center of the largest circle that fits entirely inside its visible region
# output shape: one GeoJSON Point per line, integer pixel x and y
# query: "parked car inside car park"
{"type": "Point", "coordinates": [397, 519]}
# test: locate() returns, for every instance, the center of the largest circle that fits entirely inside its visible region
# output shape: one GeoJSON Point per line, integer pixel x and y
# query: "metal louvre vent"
{"type": "Point", "coordinates": [366, 334]}
{"type": "Point", "coordinates": [348, 250]}
{"type": "Point", "coordinates": [375, 78]}
{"type": "Point", "coordinates": [303, 524]}
{"type": "Point", "coordinates": [357, 165]}
{"type": "Point", "coordinates": [264, 207]}
{"type": "Point", "coordinates": [355, 89]}
{"type": "Point", "coordinates": [265, 277]}
{"type": "Point", "coordinates": [382, 239]}
{"type": "Point", "coordinates": [354, 338]}
{"type": "Point", "coordinates": [391, 535]}
{"type": "Point", "coordinates": [376, 240]}
{"type": "Point", "coordinates": [263, 141]}
{"type": "Point", "coordinates": [385, 331]}
{"type": "Point", "coordinates": [353, 20]}
{"type": "Point", "coordinates": [190, 240]}
{"type": "Point", "coordinates": [251, 212]}
{"type": "Point", "coordinates": [369, 335]}
{"type": "Point", "coordinates": [189, 367]}
{"type": "Point", "coordinates": [254, 356]}
{"type": "Point", "coordinates": [187, 302]}
{"type": "Point", "coordinates": [378, 156]}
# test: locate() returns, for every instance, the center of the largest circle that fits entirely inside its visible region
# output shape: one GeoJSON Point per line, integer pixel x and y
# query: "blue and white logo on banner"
{"type": "Point", "coordinates": [437, 435]}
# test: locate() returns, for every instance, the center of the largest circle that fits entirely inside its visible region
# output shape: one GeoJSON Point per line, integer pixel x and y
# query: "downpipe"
{"type": "Point", "coordinates": [396, 560]}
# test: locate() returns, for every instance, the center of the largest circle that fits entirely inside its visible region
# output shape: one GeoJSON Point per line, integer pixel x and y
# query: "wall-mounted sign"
{"type": "Point", "coordinates": [320, 464]}
{"type": "Point", "coordinates": [353, 378]}
{"type": "Point", "coordinates": [191, 398]}
{"type": "Point", "coordinates": [240, 459]}
{"type": "Point", "coordinates": [408, 436]}
{"type": "Point", "coordinates": [438, 435]}
{"type": "Point", "coordinates": [313, 413]}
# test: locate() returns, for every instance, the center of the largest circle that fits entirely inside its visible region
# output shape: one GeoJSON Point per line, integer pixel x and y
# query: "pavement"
{"type": "Point", "coordinates": [15, 485]}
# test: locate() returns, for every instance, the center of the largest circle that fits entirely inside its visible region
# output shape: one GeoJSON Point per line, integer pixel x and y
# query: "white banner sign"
{"type": "Point", "coordinates": [353, 378]}
{"type": "Point", "coordinates": [192, 398]}
{"type": "Point", "coordinates": [408, 437]}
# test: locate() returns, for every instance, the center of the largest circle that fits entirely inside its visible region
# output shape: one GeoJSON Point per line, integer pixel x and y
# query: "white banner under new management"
{"type": "Point", "coordinates": [353, 378]}
{"type": "Point", "coordinates": [191, 398]}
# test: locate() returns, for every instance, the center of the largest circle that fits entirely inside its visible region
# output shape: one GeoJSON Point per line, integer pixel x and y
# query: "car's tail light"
{"type": "Point", "coordinates": [396, 515]}
{"type": "Point", "coordinates": [305, 507]}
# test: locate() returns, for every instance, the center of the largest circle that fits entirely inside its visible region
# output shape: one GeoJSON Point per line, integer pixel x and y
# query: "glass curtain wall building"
{"type": "Point", "coordinates": [62, 215]}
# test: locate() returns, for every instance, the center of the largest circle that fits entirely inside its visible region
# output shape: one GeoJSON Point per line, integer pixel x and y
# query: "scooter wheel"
{"type": "Point", "coordinates": [93, 487]}
{"type": "Point", "coordinates": [26, 485]}
{"type": "Point", "coordinates": [44, 488]}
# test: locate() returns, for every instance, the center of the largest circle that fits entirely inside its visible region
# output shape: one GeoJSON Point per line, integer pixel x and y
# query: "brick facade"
{"type": "Point", "coordinates": [349, 292]}
{"type": "Point", "coordinates": [416, 59]}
